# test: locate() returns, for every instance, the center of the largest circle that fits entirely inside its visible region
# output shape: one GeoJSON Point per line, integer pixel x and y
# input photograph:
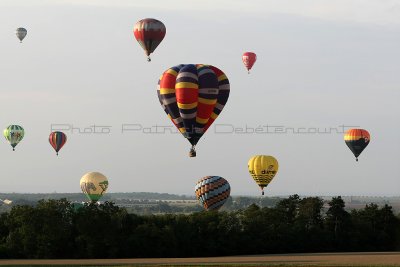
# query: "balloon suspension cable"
{"type": "Point", "coordinates": [148, 59]}
{"type": "Point", "coordinates": [192, 152]}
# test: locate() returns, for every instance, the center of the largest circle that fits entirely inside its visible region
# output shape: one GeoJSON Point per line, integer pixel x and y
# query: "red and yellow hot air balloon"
{"type": "Point", "coordinates": [57, 140]}
{"type": "Point", "coordinates": [149, 33]}
{"type": "Point", "coordinates": [249, 58]}
{"type": "Point", "coordinates": [193, 96]}
{"type": "Point", "coordinates": [357, 140]}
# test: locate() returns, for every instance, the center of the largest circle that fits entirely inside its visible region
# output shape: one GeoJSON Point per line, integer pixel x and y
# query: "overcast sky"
{"type": "Point", "coordinates": [321, 65]}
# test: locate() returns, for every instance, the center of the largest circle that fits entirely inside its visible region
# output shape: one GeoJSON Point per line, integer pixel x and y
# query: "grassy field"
{"type": "Point", "coordinates": [284, 260]}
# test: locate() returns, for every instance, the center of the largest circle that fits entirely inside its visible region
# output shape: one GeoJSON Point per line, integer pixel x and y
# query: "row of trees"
{"type": "Point", "coordinates": [59, 229]}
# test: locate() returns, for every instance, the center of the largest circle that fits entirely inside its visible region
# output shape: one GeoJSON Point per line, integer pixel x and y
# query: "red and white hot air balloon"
{"type": "Point", "coordinates": [149, 33]}
{"type": "Point", "coordinates": [249, 58]}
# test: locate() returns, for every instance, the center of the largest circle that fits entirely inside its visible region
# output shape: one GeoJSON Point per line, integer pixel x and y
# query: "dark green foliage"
{"type": "Point", "coordinates": [59, 229]}
{"type": "Point", "coordinates": [375, 228]}
{"type": "Point", "coordinates": [339, 225]}
{"type": "Point", "coordinates": [43, 231]}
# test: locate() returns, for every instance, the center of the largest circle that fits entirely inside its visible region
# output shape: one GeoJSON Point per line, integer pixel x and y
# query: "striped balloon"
{"type": "Point", "coordinates": [193, 96]}
{"type": "Point", "coordinates": [357, 140]}
{"type": "Point", "coordinates": [14, 134]}
{"type": "Point", "coordinates": [149, 33]}
{"type": "Point", "coordinates": [212, 192]}
{"type": "Point", "coordinates": [57, 140]}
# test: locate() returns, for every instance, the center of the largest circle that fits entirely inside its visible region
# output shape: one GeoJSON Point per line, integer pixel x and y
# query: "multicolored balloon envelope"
{"type": "Point", "coordinates": [357, 140]}
{"type": "Point", "coordinates": [57, 140]}
{"type": "Point", "coordinates": [263, 169]}
{"type": "Point", "coordinates": [149, 33]}
{"type": "Point", "coordinates": [193, 96]}
{"type": "Point", "coordinates": [21, 33]}
{"type": "Point", "coordinates": [249, 58]}
{"type": "Point", "coordinates": [94, 185]}
{"type": "Point", "coordinates": [14, 135]}
{"type": "Point", "coordinates": [212, 192]}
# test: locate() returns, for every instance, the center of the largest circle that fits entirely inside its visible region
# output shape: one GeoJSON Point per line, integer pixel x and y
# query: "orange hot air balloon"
{"type": "Point", "coordinates": [357, 140]}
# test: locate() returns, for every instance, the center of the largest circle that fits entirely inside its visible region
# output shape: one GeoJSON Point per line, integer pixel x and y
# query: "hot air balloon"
{"type": "Point", "coordinates": [94, 185]}
{"type": "Point", "coordinates": [212, 192]}
{"type": "Point", "coordinates": [149, 33]}
{"type": "Point", "coordinates": [249, 58]}
{"type": "Point", "coordinates": [193, 96]}
{"type": "Point", "coordinates": [14, 135]}
{"type": "Point", "coordinates": [357, 140]}
{"type": "Point", "coordinates": [263, 169]}
{"type": "Point", "coordinates": [57, 140]}
{"type": "Point", "coordinates": [21, 33]}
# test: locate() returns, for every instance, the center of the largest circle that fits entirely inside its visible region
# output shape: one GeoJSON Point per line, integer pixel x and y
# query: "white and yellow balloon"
{"type": "Point", "coordinates": [14, 134]}
{"type": "Point", "coordinates": [94, 185]}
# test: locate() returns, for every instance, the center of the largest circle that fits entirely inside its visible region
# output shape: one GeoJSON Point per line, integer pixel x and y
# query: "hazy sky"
{"type": "Point", "coordinates": [321, 64]}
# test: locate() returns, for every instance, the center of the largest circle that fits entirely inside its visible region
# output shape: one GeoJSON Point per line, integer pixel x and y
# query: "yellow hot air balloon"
{"type": "Point", "coordinates": [94, 185]}
{"type": "Point", "coordinates": [263, 169]}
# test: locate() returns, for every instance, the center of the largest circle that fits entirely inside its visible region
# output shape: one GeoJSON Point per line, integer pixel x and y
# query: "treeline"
{"type": "Point", "coordinates": [106, 197]}
{"type": "Point", "coordinates": [145, 207]}
{"type": "Point", "coordinates": [59, 229]}
{"type": "Point", "coordinates": [145, 203]}
{"type": "Point", "coordinates": [140, 203]}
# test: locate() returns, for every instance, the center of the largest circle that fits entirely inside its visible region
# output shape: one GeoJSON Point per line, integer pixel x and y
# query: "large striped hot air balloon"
{"type": "Point", "coordinates": [357, 140]}
{"type": "Point", "coordinates": [249, 58]}
{"type": "Point", "coordinates": [263, 169]}
{"type": "Point", "coordinates": [149, 33]}
{"type": "Point", "coordinates": [193, 96]}
{"type": "Point", "coordinates": [212, 192]}
{"type": "Point", "coordinates": [14, 135]}
{"type": "Point", "coordinates": [57, 140]}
